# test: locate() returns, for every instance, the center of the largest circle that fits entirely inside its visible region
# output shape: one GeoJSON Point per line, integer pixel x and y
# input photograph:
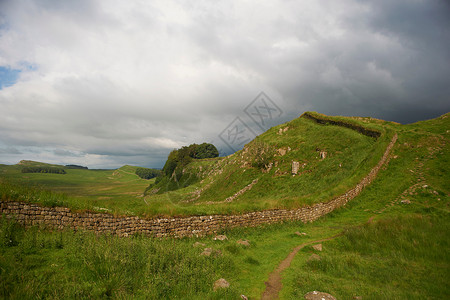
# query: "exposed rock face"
{"type": "Point", "coordinates": [198, 244]}
{"type": "Point", "coordinates": [318, 296]}
{"type": "Point", "coordinates": [295, 167]}
{"type": "Point", "coordinates": [283, 151]}
{"type": "Point", "coordinates": [318, 247]}
{"type": "Point", "coordinates": [221, 284]}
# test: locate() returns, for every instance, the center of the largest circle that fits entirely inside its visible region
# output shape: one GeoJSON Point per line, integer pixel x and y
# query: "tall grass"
{"type": "Point", "coordinates": [25, 193]}
{"type": "Point", "coordinates": [405, 257]}
{"type": "Point", "coordinates": [36, 263]}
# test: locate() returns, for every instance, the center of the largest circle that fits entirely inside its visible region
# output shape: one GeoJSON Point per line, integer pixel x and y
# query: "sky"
{"type": "Point", "coordinates": [103, 83]}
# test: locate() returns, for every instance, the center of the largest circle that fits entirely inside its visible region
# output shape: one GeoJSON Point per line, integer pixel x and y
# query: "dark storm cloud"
{"type": "Point", "coordinates": [104, 83]}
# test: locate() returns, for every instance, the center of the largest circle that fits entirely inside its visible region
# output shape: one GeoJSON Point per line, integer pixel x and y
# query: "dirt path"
{"type": "Point", "coordinates": [273, 284]}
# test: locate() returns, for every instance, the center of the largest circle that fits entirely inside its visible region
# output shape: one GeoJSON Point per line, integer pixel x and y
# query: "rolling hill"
{"type": "Point", "coordinates": [389, 242]}
{"type": "Point", "coordinates": [308, 160]}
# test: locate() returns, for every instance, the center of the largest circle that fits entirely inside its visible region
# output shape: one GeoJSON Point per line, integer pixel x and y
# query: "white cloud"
{"type": "Point", "coordinates": [127, 81]}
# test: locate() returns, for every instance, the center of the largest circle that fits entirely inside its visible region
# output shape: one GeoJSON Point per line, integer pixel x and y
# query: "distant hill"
{"type": "Point", "coordinates": [31, 163]}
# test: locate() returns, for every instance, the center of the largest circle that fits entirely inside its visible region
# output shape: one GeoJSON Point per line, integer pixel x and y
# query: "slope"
{"type": "Point", "coordinates": [328, 155]}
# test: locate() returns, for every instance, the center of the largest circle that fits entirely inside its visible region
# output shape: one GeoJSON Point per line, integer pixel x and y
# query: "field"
{"type": "Point", "coordinates": [392, 239]}
{"type": "Point", "coordinates": [97, 190]}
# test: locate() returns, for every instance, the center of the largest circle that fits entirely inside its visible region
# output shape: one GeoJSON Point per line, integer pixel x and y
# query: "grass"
{"type": "Point", "coordinates": [405, 257]}
{"type": "Point", "coordinates": [403, 253]}
{"type": "Point", "coordinates": [349, 158]}
{"type": "Point", "coordinates": [117, 191]}
{"type": "Point", "coordinates": [36, 263]}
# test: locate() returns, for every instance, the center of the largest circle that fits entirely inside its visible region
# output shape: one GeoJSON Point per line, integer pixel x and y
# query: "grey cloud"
{"type": "Point", "coordinates": [62, 152]}
{"type": "Point", "coordinates": [128, 84]}
{"type": "Point", "coordinates": [10, 150]}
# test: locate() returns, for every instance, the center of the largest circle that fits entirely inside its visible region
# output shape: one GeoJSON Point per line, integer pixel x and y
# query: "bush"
{"type": "Point", "coordinates": [205, 150]}
{"type": "Point", "coordinates": [43, 169]}
{"type": "Point", "coordinates": [76, 167]}
{"type": "Point", "coordinates": [146, 173]}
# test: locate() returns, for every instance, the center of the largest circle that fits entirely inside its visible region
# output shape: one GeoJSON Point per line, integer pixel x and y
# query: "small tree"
{"type": "Point", "coordinates": [206, 150]}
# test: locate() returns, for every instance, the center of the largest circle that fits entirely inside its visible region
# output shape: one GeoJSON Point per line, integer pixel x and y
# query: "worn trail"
{"type": "Point", "coordinates": [273, 284]}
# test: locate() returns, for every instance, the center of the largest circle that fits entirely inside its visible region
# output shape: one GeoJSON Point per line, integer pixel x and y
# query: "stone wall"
{"type": "Point", "coordinates": [61, 218]}
{"type": "Point", "coordinates": [327, 120]}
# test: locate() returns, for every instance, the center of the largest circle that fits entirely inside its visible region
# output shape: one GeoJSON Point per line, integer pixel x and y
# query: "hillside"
{"type": "Point", "coordinates": [329, 155]}
{"type": "Point", "coordinates": [330, 159]}
{"type": "Point", "coordinates": [97, 190]}
{"type": "Point", "coordinates": [389, 242]}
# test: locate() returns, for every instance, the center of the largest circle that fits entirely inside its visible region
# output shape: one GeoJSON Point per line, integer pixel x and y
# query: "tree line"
{"type": "Point", "coordinates": [183, 156]}
{"type": "Point", "coordinates": [172, 176]}
{"type": "Point", "coordinates": [146, 173]}
{"type": "Point", "coordinates": [43, 169]}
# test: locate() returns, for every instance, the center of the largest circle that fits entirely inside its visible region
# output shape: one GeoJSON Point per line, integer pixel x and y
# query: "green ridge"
{"type": "Point", "coordinates": [402, 254]}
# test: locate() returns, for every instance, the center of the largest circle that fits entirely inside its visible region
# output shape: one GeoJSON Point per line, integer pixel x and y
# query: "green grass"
{"type": "Point", "coordinates": [405, 257]}
{"type": "Point", "coordinates": [404, 253]}
{"type": "Point", "coordinates": [36, 263]}
{"type": "Point", "coordinates": [350, 156]}
{"type": "Point", "coordinates": [117, 191]}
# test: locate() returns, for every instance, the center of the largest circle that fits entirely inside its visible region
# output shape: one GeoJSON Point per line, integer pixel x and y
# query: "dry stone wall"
{"type": "Point", "coordinates": [63, 218]}
{"type": "Point", "coordinates": [327, 120]}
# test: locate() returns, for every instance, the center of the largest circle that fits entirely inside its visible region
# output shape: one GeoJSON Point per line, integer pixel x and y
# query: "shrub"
{"type": "Point", "coordinates": [146, 173]}
{"type": "Point", "coordinates": [43, 169]}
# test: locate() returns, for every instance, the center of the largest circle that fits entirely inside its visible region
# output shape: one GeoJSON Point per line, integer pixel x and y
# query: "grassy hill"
{"type": "Point", "coordinates": [332, 154]}
{"type": "Point", "coordinates": [393, 241]}
{"type": "Point", "coordinates": [265, 164]}
{"type": "Point", "coordinates": [97, 190]}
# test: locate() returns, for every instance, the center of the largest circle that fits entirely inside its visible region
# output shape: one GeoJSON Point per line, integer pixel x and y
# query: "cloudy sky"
{"type": "Point", "coordinates": [104, 83]}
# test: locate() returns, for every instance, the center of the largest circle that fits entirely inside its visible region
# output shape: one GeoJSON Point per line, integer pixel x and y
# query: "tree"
{"type": "Point", "coordinates": [147, 173]}
{"type": "Point", "coordinates": [206, 150]}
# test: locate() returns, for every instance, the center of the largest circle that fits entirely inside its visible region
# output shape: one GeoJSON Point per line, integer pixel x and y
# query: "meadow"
{"type": "Point", "coordinates": [393, 242]}
{"type": "Point", "coordinates": [114, 191]}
